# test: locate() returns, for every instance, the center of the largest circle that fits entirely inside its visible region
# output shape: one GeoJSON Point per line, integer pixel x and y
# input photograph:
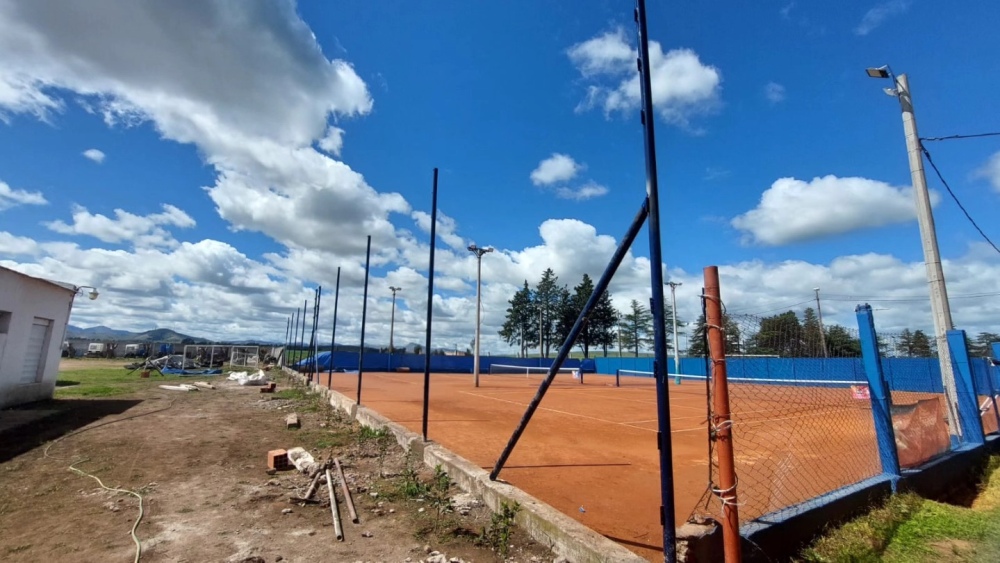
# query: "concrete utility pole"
{"type": "Point", "coordinates": [940, 310]}
{"type": "Point", "coordinates": [822, 331]}
{"type": "Point", "coordinates": [673, 309]}
{"type": "Point", "coordinates": [479, 283]}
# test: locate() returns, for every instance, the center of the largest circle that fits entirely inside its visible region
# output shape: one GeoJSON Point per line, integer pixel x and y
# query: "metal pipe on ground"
{"type": "Point", "coordinates": [347, 492]}
{"type": "Point", "coordinates": [337, 529]}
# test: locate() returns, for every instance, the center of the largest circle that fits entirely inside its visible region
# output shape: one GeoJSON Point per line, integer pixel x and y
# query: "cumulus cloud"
{"type": "Point", "coordinates": [774, 92]}
{"type": "Point", "coordinates": [245, 82]}
{"type": "Point", "coordinates": [555, 169]}
{"type": "Point", "coordinates": [94, 154]}
{"type": "Point", "coordinates": [793, 210]}
{"type": "Point", "coordinates": [991, 171]}
{"type": "Point", "coordinates": [446, 228]}
{"type": "Point", "coordinates": [333, 142]}
{"type": "Point", "coordinates": [142, 231]}
{"type": "Point", "coordinates": [9, 197]}
{"type": "Point", "coordinates": [879, 13]}
{"type": "Point", "coordinates": [682, 86]}
{"type": "Point", "coordinates": [581, 193]}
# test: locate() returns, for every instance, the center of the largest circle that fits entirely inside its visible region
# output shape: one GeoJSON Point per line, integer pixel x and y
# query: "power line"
{"type": "Point", "coordinates": [950, 137]}
{"type": "Point", "coordinates": [954, 197]}
{"type": "Point", "coordinates": [783, 307]}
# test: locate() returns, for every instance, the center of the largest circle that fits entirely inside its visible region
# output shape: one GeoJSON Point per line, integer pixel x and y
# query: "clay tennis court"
{"type": "Point", "coordinates": [590, 450]}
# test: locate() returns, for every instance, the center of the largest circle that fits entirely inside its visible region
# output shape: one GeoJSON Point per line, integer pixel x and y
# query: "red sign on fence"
{"type": "Point", "coordinates": [860, 392]}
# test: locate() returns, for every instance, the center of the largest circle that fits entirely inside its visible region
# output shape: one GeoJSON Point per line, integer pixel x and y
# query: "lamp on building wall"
{"type": "Point", "coordinates": [92, 294]}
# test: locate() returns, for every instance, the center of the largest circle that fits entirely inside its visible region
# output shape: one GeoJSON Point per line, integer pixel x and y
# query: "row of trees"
{"type": "Point", "coordinates": [542, 317]}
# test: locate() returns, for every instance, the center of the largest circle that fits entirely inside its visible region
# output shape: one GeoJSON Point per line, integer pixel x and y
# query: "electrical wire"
{"type": "Point", "coordinates": [950, 137]}
{"type": "Point", "coordinates": [783, 307]}
{"type": "Point", "coordinates": [73, 468]}
{"type": "Point", "coordinates": [954, 197]}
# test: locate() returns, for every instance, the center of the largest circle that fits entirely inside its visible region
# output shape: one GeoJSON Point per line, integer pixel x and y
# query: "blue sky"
{"type": "Point", "coordinates": [239, 153]}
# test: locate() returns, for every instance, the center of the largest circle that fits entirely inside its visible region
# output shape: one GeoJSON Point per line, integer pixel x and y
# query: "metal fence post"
{"type": "Point", "coordinates": [965, 389]}
{"type": "Point", "coordinates": [878, 392]}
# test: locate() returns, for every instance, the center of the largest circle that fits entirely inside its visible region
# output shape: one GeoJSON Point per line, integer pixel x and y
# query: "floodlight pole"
{"type": "Point", "coordinates": [822, 331]}
{"type": "Point", "coordinates": [656, 282]}
{"type": "Point", "coordinates": [940, 309]}
{"type": "Point", "coordinates": [478, 251]}
{"type": "Point", "coordinates": [392, 321]}
{"type": "Point", "coordinates": [673, 310]}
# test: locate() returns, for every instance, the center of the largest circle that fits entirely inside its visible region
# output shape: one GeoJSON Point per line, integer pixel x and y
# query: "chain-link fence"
{"type": "Point", "coordinates": [802, 418]}
{"type": "Point", "coordinates": [919, 408]}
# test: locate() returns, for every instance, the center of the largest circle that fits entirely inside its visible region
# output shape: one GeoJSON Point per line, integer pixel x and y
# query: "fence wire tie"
{"type": "Point", "coordinates": [724, 494]}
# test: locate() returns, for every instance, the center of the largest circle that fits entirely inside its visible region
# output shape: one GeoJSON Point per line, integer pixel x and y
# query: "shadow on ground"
{"type": "Point", "coordinates": [26, 427]}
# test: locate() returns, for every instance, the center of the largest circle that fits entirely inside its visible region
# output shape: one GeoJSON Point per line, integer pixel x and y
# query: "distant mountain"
{"type": "Point", "coordinates": [97, 333]}
{"type": "Point", "coordinates": [155, 335]}
{"type": "Point", "coordinates": [167, 335]}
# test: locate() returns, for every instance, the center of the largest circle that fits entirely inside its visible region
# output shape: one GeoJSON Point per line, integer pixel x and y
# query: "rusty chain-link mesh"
{"type": "Point", "coordinates": [802, 419]}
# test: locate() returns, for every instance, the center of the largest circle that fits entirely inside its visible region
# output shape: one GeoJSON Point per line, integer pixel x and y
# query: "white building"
{"type": "Point", "coordinates": [33, 316]}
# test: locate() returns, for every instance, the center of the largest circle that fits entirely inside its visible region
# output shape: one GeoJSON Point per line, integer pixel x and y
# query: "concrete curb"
{"type": "Point", "coordinates": [548, 526]}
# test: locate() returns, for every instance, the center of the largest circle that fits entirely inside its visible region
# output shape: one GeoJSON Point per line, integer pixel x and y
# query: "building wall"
{"type": "Point", "coordinates": [22, 299]}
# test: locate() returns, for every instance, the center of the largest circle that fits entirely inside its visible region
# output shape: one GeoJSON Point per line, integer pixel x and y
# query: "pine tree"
{"type": "Point", "coordinates": [812, 343]}
{"type": "Point", "coordinates": [520, 325]}
{"type": "Point", "coordinates": [921, 345]}
{"type": "Point", "coordinates": [637, 328]}
{"type": "Point", "coordinates": [779, 335]}
{"type": "Point", "coordinates": [696, 346]}
{"type": "Point", "coordinates": [547, 300]}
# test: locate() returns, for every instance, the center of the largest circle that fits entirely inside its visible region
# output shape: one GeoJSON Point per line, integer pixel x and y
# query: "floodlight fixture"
{"type": "Point", "coordinates": [478, 251]}
{"type": "Point", "coordinates": [880, 72]}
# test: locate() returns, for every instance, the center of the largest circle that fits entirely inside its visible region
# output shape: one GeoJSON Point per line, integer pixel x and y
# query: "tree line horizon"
{"type": "Point", "coordinates": [541, 317]}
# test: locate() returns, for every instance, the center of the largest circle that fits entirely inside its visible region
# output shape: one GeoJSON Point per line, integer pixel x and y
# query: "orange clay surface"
{"type": "Point", "coordinates": [590, 450]}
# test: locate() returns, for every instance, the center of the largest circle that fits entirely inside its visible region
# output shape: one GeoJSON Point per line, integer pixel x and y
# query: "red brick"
{"type": "Point", "coordinates": [278, 460]}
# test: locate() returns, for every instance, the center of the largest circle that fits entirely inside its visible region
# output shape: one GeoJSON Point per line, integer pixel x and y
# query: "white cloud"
{"type": "Point", "coordinates": [245, 82]}
{"type": "Point", "coordinates": [94, 154]}
{"type": "Point", "coordinates": [774, 92]}
{"type": "Point", "coordinates": [446, 228]}
{"type": "Point", "coordinates": [793, 210]}
{"type": "Point", "coordinates": [991, 171]}
{"type": "Point", "coordinates": [555, 169]}
{"type": "Point", "coordinates": [142, 231]}
{"type": "Point", "coordinates": [587, 191]}
{"type": "Point", "coordinates": [333, 142]}
{"type": "Point", "coordinates": [878, 14]}
{"type": "Point", "coordinates": [9, 197]}
{"type": "Point", "coordinates": [681, 85]}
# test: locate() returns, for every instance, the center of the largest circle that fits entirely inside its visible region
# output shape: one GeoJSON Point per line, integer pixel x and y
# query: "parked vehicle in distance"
{"type": "Point", "coordinates": [95, 349]}
{"type": "Point", "coordinates": [135, 351]}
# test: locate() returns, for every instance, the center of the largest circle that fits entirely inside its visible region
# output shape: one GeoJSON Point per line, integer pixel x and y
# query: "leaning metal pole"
{"type": "Point", "coordinates": [656, 283]}
{"type": "Point", "coordinates": [333, 335]}
{"type": "Point", "coordinates": [567, 346]}
{"type": "Point", "coordinates": [364, 315]}
{"type": "Point", "coordinates": [430, 302]}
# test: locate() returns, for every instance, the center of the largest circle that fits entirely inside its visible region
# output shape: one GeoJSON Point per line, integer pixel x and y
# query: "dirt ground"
{"type": "Point", "coordinates": [198, 460]}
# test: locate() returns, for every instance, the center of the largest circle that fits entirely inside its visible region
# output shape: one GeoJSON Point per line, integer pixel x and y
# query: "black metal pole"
{"type": "Point", "coordinates": [295, 336]}
{"type": "Point", "coordinates": [364, 315]}
{"type": "Point", "coordinates": [314, 345]}
{"type": "Point", "coordinates": [656, 284]}
{"type": "Point", "coordinates": [302, 336]}
{"type": "Point", "coordinates": [284, 349]}
{"type": "Point", "coordinates": [567, 346]}
{"type": "Point", "coordinates": [333, 336]}
{"type": "Point", "coordinates": [430, 301]}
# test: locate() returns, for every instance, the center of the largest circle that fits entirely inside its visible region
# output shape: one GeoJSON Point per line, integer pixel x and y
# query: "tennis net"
{"type": "Point", "coordinates": [531, 372]}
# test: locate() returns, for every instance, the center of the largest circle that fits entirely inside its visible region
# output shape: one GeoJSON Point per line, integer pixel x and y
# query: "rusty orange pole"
{"type": "Point", "coordinates": [721, 418]}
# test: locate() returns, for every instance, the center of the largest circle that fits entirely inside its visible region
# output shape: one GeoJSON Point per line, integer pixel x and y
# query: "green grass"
{"type": "Point", "coordinates": [908, 528]}
{"type": "Point", "coordinates": [108, 382]}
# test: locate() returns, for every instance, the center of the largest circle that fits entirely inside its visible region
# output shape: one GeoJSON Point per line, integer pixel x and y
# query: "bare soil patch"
{"type": "Point", "coordinates": [199, 461]}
